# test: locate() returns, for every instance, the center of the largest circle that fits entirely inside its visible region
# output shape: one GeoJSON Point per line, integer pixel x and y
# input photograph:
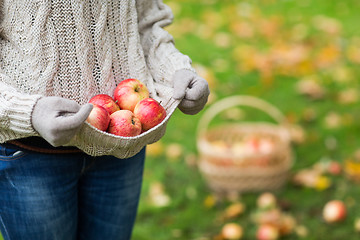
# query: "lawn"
{"type": "Point", "coordinates": [301, 56]}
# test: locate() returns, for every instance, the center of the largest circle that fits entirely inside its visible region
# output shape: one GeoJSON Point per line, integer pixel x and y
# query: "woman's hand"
{"type": "Point", "coordinates": [57, 119]}
{"type": "Point", "coordinates": [191, 89]}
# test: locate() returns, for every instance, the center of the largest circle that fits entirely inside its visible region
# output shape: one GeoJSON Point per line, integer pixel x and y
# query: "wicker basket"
{"type": "Point", "coordinates": [228, 165]}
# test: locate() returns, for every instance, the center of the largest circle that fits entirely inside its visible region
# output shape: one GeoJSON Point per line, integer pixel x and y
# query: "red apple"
{"type": "Point", "coordinates": [267, 232]}
{"type": "Point", "coordinates": [124, 123]}
{"type": "Point", "coordinates": [232, 231]}
{"type": "Point", "coordinates": [334, 168]}
{"type": "Point", "coordinates": [129, 92]}
{"type": "Point", "coordinates": [106, 102]}
{"type": "Point", "coordinates": [149, 112]}
{"type": "Point", "coordinates": [334, 211]}
{"type": "Point", "coordinates": [99, 117]}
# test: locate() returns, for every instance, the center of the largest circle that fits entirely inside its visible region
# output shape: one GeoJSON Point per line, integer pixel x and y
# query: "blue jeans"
{"type": "Point", "coordinates": [68, 196]}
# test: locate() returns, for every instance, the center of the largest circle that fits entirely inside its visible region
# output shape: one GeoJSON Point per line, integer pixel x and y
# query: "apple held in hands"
{"type": "Point", "coordinates": [124, 123]}
{"type": "Point", "coordinates": [129, 92]}
{"type": "Point", "coordinates": [150, 113]}
{"type": "Point", "coordinates": [106, 102]}
{"type": "Point", "coordinates": [99, 118]}
{"type": "Point", "coordinates": [131, 110]}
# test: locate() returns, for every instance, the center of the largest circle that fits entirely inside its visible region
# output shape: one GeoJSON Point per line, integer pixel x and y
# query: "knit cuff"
{"type": "Point", "coordinates": [19, 114]}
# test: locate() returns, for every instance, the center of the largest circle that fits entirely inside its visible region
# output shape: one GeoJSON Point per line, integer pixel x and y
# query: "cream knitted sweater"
{"type": "Point", "coordinates": [78, 48]}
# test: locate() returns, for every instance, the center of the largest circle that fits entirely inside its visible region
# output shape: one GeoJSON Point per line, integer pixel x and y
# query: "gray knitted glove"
{"type": "Point", "coordinates": [192, 89]}
{"type": "Point", "coordinates": [57, 119]}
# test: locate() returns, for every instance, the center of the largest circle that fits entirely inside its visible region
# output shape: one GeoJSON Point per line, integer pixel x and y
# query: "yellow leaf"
{"type": "Point", "coordinates": [174, 151]}
{"type": "Point", "coordinates": [327, 24]}
{"type": "Point", "coordinates": [210, 201]}
{"type": "Point", "coordinates": [322, 183]}
{"type": "Point", "coordinates": [234, 210]}
{"type": "Point", "coordinates": [155, 149]}
{"type": "Point", "coordinates": [328, 56]}
{"type": "Point", "coordinates": [242, 29]}
{"type": "Point", "coordinates": [352, 167]}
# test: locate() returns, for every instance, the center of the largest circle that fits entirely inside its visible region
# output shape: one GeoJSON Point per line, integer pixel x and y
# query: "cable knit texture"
{"type": "Point", "coordinates": [77, 49]}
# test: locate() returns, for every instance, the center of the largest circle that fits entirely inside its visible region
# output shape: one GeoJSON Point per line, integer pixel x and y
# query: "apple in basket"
{"type": "Point", "coordinates": [129, 92]}
{"type": "Point", "coordinates": [124, 123]}
{"type": "Point", "coordinates": [99, 118]}
{"type": "Point", "coordinates": [106, 102]}
{"type": "Point", "coordinates": [150, 113]}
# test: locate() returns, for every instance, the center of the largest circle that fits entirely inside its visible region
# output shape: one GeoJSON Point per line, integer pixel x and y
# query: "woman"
{"type": "Point", "coordinates": [55, 55]}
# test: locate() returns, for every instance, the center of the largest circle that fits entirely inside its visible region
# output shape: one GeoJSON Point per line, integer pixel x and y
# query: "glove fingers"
{"type": "Point", "coordinates": [193, 104]}
{"type": "Point", "coordinates": [180, 86]}
{"type": "Point", "coordinates": [191, 111]}
{"type": "Point", "coordinates": [198, 90]}
{"type": "Point", "coordinates": [68, 105]}
{"type": "Point", "coordinates": [70, 120]}
{"type": "Point", "coordinates": [192, 107]}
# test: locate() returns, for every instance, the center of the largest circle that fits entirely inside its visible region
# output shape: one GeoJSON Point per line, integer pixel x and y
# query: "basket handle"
{"type": "Point", "coordinates": [238, 100]}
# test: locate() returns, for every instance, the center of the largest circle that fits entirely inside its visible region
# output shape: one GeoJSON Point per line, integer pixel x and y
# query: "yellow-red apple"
{"type": "Point", "coordinates": [266, 200]}
{"type": "Point", "coordinates": [150, 113]}
{"type": "Point", "coordinates": [124, 123]}
{"type": "Point", "coordinates": [267, 232]}
{"type": "Point", "coordinates": [232, 231]}
{"type": "Point", "coordinates": [99, 118]}
{"type": "Point", "coordinates": [129, 92]}
{"type": "Point", "coordinates": [334, 211]}
{"type": "Point", "coordinates": [106, 102]}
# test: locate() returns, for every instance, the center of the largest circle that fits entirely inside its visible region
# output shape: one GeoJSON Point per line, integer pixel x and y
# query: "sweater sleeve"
{"type": "Point", "coordinates": [15, 113]}
{"type": "Point", "coordinates": [15, 107]}
{"type": "Point", "coordinates": [162, 58]}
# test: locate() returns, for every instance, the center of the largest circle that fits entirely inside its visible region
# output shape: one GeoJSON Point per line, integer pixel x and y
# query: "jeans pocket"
{"type": "Point", "coordinates": [9, 152]}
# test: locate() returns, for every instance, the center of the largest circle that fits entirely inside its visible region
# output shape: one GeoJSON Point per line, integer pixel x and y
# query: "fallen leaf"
{"type": "Point", "coordinates": [234, 210]}
{"type": "Point", "coordinates": [174, 151]}
{"type": "Point", "coordinates": [209, 201]}
{"type": "Point", "coordinates": [158, 196]}
{"type": "Point", "coordinates": [155, 149]}
{"type": "Point", "coordinates": [332, 120]}
{"type": "Point", "coordinates": [222, 39]}
{"type": "Point", "coordinates": [311, 87]}
{"type": "Point", "coordinates": [327, 24]}
{"type": "Point", "coordinates": [348, 96]}
{"type": "Point", "coordinates": [306, 177]}
{"type": "Point", "coordinates": [242, 29]}
{"type": "Point", "coordinates": [302, 231]}
{"type": "Point", "coordinates": [322, 183]}
{"type": "Point", "coordinates": [357, 224]}
{"type": "Point", "coordinates": [328, 56]}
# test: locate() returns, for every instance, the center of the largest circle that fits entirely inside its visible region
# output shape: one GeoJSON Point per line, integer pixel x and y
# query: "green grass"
{"type": "Point", "coordinates": [187, 216]}
{"type": "Point", "coordinates": [198, 28]}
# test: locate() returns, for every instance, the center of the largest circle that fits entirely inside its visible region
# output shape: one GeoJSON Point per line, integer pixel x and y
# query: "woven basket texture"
{"type": "Point", "coordinates": [226, 167]}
